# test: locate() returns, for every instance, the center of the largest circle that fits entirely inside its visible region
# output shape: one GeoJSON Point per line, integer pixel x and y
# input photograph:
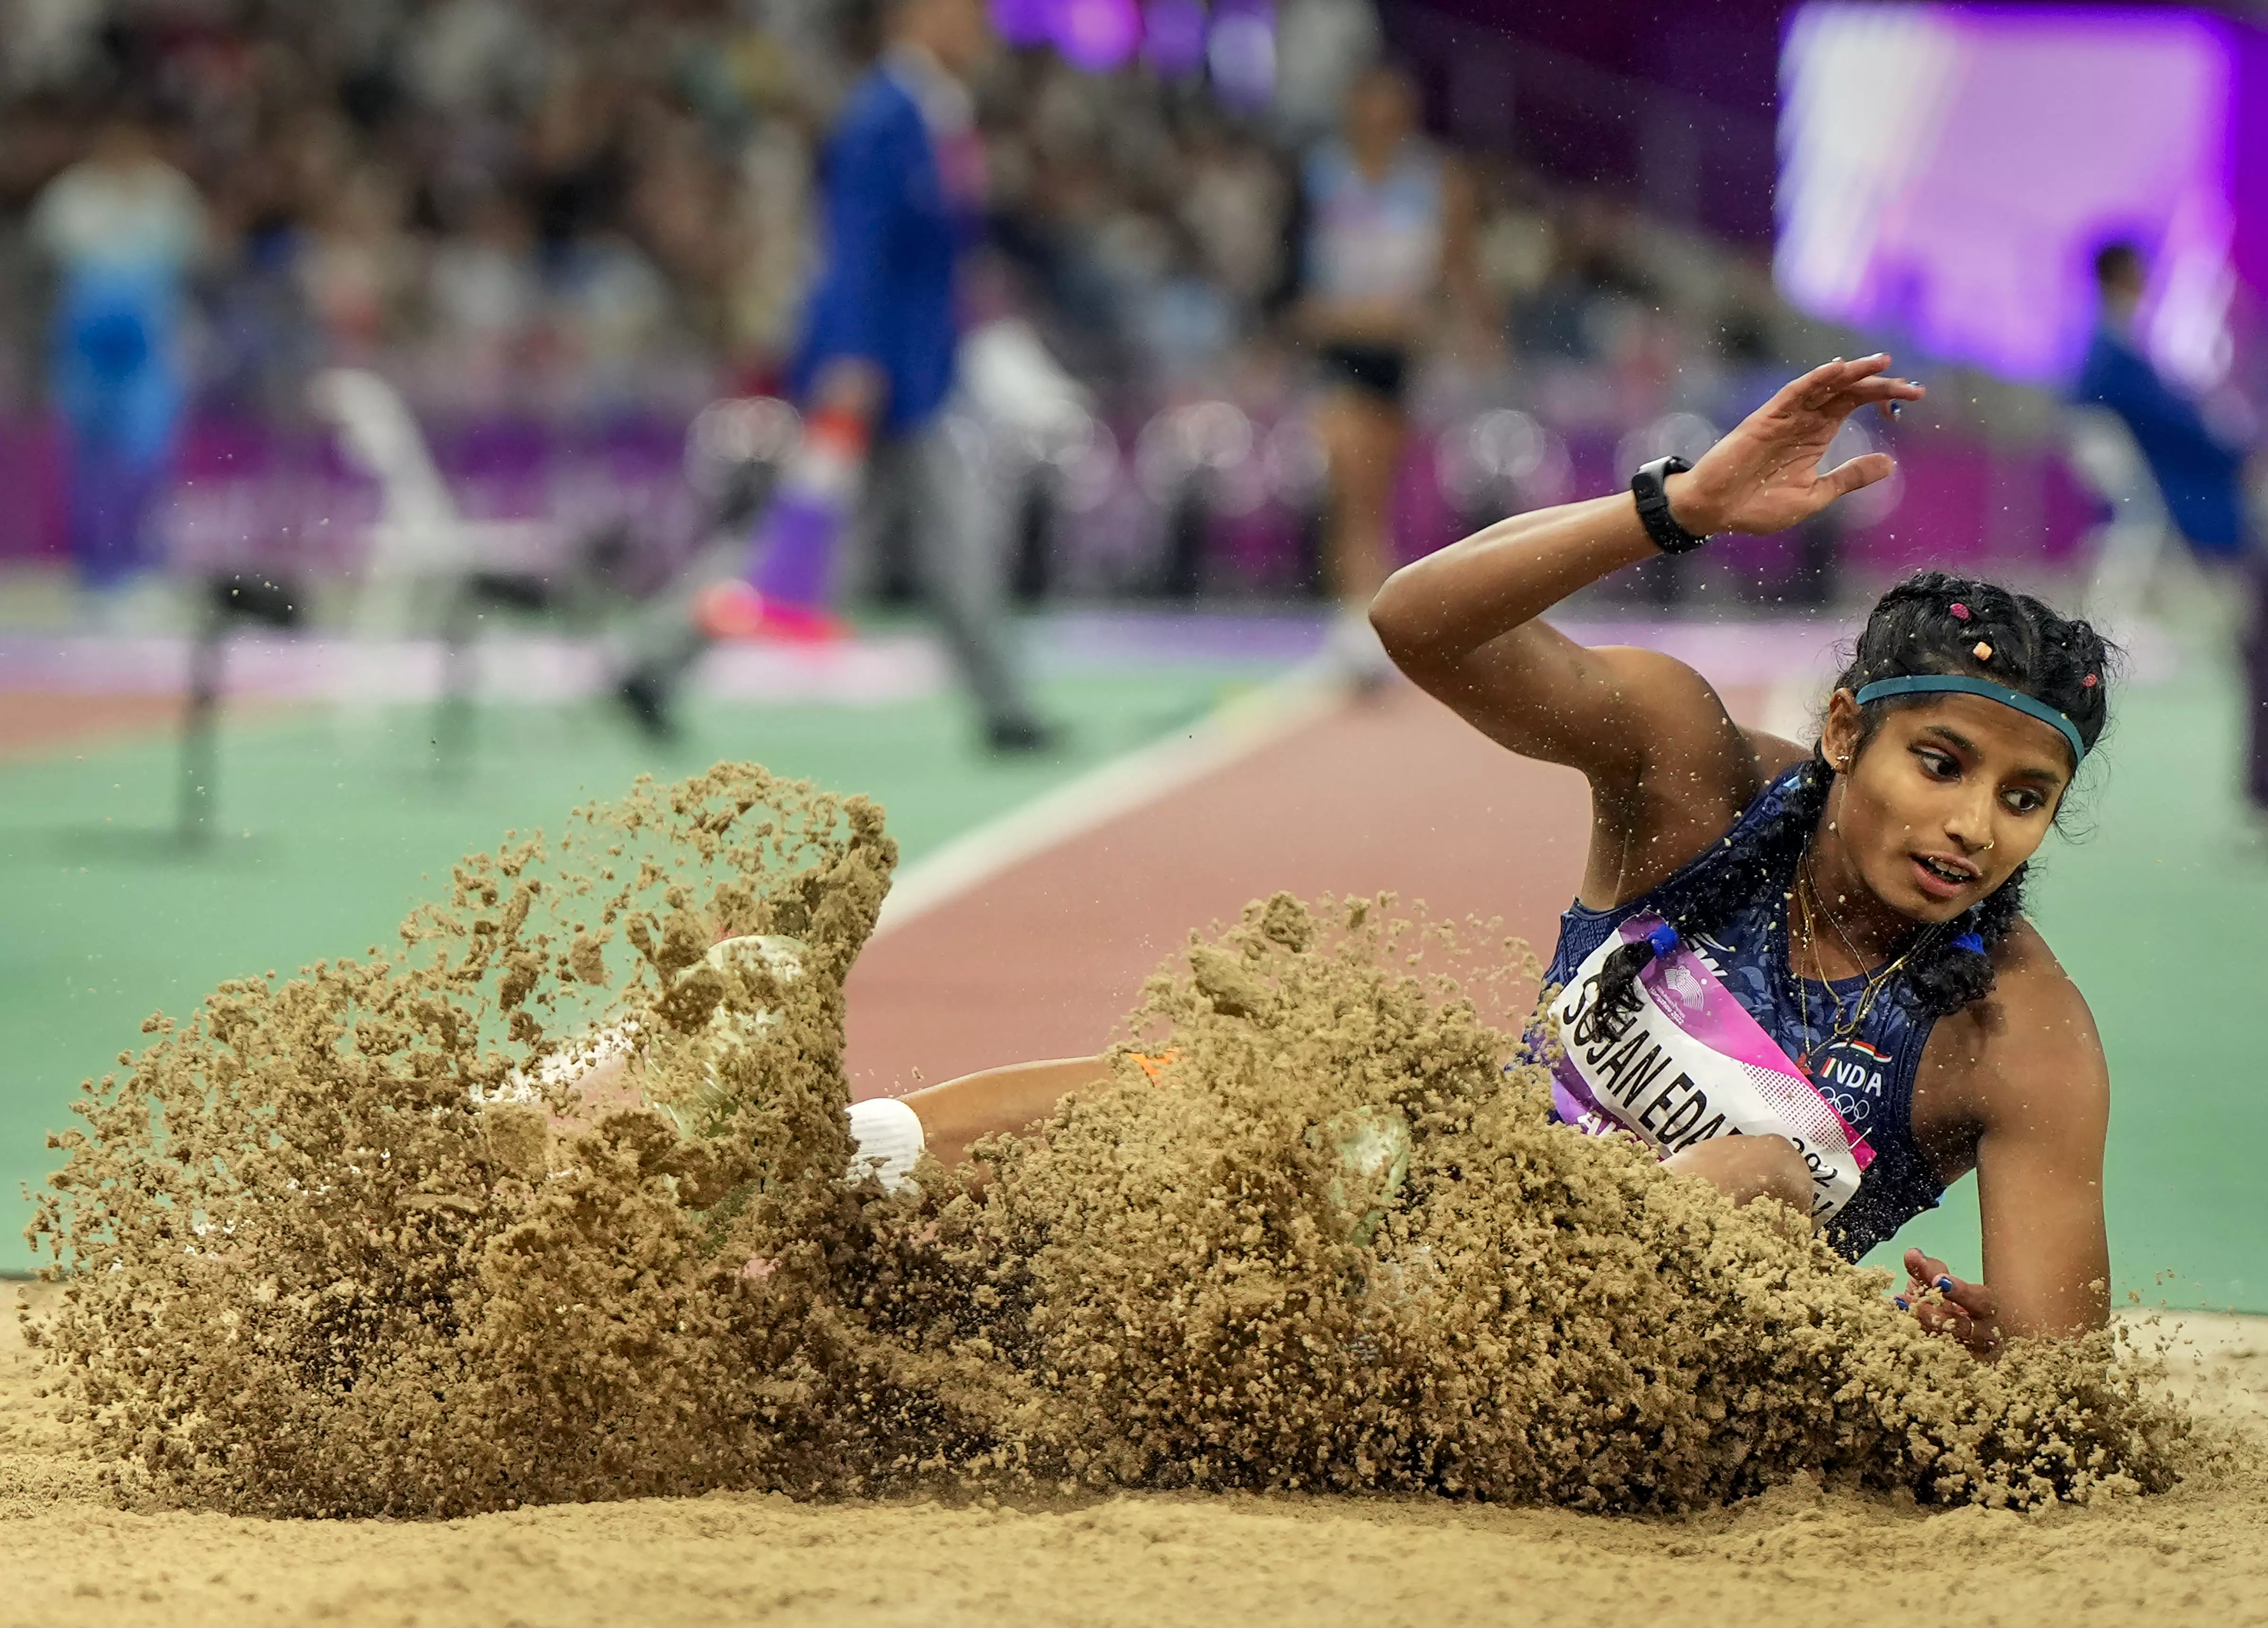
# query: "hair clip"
{"type": "Point", "coordinates": [2088, 682]}
{"type": "Point", "coordinates": [1970, 942]}
{"type": "Point", "coordinates": [1981, 651]}
{"type": "Point", "coordinates": [1960, 611]}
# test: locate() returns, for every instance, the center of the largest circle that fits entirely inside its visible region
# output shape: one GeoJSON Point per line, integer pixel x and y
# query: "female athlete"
{"type": "Point", "coordinates": [1798, 972]}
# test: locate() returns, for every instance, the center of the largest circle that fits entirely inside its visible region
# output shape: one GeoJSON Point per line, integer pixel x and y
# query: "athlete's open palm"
{"type": "Point", "coordinates": [1765, 475]}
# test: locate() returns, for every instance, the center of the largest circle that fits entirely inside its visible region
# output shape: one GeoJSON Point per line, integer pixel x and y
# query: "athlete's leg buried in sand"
{"type": "Point", "coordinates": [948, 1120]}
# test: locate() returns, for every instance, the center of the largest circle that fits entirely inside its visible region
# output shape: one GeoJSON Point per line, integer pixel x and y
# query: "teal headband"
{"type": "Point", "coordinates": [1956, 684]}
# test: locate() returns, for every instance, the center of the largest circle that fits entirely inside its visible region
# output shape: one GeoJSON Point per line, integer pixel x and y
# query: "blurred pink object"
{"type": "Point", "coordinates": [736, 610]}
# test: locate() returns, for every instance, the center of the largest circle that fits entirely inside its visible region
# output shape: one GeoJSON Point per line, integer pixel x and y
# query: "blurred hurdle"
{"type": "Point", "coordinates": [239, 599]}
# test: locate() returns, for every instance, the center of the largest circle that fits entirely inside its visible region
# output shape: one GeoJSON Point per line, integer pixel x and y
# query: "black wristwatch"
{"type": "Point", "coordinates": [1648, 487]}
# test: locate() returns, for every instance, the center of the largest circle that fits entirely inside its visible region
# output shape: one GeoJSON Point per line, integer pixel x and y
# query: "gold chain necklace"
{"type": "Point", "coordinates": [1839, 1028]}
{"type": "Point", "coordinates": [1811, 879]}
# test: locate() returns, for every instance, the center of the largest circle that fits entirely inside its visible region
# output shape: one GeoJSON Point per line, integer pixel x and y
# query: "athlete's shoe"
{"type": "Point", "coordinates": [734, 610]}
{"type": "Point", "coordinates": [1352, 654]}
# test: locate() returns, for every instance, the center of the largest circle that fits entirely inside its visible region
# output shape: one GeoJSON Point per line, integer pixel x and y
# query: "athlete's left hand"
{"type": "Point", "coordinates": [1965, 1310]}
{"type": "Point", "coordinates": [1765, 477]}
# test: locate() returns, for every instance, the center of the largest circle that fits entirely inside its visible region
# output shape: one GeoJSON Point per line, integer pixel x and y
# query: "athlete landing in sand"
{"type": "Point", "coordinates": [1859, 899]}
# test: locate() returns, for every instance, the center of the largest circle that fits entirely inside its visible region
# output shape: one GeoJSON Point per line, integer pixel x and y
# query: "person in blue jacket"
{"type": "Point", "coordinates": [2200, 471]}
{"type": "Point", "coordinates": [901, 198]}
{"type": "Point", "coordinates": [2200, 475]}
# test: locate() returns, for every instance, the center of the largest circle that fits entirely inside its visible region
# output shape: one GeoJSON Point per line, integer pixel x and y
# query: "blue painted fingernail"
{"type": "Point", "coordinates": [1897, 409]}
{"type": "Point", "coordinates": [1900, 1302]}
{"type": "Point", "coordinates": [1944, 1285]}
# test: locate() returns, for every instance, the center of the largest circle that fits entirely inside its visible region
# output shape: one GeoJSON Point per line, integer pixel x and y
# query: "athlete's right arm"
{"type": "Point", "coordinates": [1669, 769]}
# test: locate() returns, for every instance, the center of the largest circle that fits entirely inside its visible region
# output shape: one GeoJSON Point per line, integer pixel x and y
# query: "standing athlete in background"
{"type": "Point", "coordinates": [902, 195]}
{"type": "Point", "coordinates": [1389, 230]}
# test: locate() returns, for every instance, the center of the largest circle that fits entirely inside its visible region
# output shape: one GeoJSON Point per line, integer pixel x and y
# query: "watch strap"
{"type": "Point", "coordinates": [1648, 487]}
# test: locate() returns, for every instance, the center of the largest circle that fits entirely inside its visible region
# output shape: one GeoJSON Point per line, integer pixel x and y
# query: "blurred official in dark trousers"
{"type": "Point", "coordinates": [901, 197]}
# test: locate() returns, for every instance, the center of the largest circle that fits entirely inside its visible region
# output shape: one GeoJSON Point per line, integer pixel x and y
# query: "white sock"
{"type": "Point", "coordinates": [888, 1138]}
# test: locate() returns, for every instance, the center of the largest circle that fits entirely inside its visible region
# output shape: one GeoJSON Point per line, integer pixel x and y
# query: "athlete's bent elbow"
{"type": "Point", "coordinates": [1400, 628]}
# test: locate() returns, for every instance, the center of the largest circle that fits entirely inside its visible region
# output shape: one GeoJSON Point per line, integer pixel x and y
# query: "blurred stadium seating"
{"type": "Point", "coordinates": [561, 229]}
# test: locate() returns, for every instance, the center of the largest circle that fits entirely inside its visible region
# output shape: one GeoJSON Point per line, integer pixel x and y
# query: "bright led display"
{"type": "Point", "coordinates": [1948, 172]}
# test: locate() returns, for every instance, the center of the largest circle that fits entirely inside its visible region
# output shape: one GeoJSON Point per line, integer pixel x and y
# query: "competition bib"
{"type": "Point", "coordinates": [1689, 1066]}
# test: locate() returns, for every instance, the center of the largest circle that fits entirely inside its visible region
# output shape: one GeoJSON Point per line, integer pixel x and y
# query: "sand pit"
{"type": "Point", "coordinates": [2198, 1554]}
{"type": "Point", "coordinates": [363, 1243]}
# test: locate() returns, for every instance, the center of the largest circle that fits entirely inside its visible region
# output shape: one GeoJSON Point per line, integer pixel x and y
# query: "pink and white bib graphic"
{"type": "Point", "coordinates": [1690, 1065]}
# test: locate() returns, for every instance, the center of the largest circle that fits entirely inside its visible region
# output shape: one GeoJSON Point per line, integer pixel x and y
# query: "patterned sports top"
{"type": "Point", "coordinates": [1869, 1078]}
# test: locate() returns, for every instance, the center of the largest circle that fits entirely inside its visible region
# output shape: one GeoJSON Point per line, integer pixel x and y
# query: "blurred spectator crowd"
{"type": "Point", "coordinates": [579, 212]}
{"type": "Point", "coordinates": [566, 205]}
{"type": "Point", "coordinates": [504, 204]}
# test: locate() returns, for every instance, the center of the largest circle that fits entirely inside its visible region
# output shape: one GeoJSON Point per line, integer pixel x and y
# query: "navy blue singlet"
{"type": "Point", "coordinates": [1869, 1077]}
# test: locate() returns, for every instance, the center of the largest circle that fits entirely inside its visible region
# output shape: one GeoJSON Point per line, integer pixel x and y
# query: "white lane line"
{"type": "Point", "coordinates": [1235, 730]}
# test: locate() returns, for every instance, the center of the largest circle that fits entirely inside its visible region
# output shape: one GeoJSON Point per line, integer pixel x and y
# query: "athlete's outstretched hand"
{"type": "Point", "coordinates": [1765, 475]}
{"type": "Point", "coordinates": [1965, 1311]}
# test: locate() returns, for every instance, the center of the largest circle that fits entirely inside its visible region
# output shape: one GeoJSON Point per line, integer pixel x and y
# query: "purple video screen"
{"type": "Point", "coordinates": [1948, 172]}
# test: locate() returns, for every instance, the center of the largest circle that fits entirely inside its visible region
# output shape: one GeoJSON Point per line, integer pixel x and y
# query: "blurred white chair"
{"type": "Point", "coordinates": [421, 544]}
{"type": "Point", "coordinates": [1031, 426]}
{"type": "Point", "coordinates": [2137, 540]}
{"type": "Point", "coordinates": [1011, 377]}
{"type": "Point", "coordinates": [420, 535]}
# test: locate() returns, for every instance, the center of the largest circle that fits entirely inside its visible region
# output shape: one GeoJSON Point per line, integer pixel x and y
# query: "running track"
{"type": "Point", "coordinates": [1392, 793]}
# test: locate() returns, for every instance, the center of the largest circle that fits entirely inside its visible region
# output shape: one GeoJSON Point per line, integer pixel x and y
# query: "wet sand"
{"type": "Point", "coordinates": [2199, 1553]}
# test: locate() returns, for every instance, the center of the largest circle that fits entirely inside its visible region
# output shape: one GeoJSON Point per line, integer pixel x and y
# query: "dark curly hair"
{"type": "Point", "coordinates": [1913, 629]}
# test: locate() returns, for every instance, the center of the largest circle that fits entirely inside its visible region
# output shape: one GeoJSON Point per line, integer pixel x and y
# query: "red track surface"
{"type": "Point", "coordinates": [1396, 795]}
{"type": "Point", "coordinates": [41, 721]}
